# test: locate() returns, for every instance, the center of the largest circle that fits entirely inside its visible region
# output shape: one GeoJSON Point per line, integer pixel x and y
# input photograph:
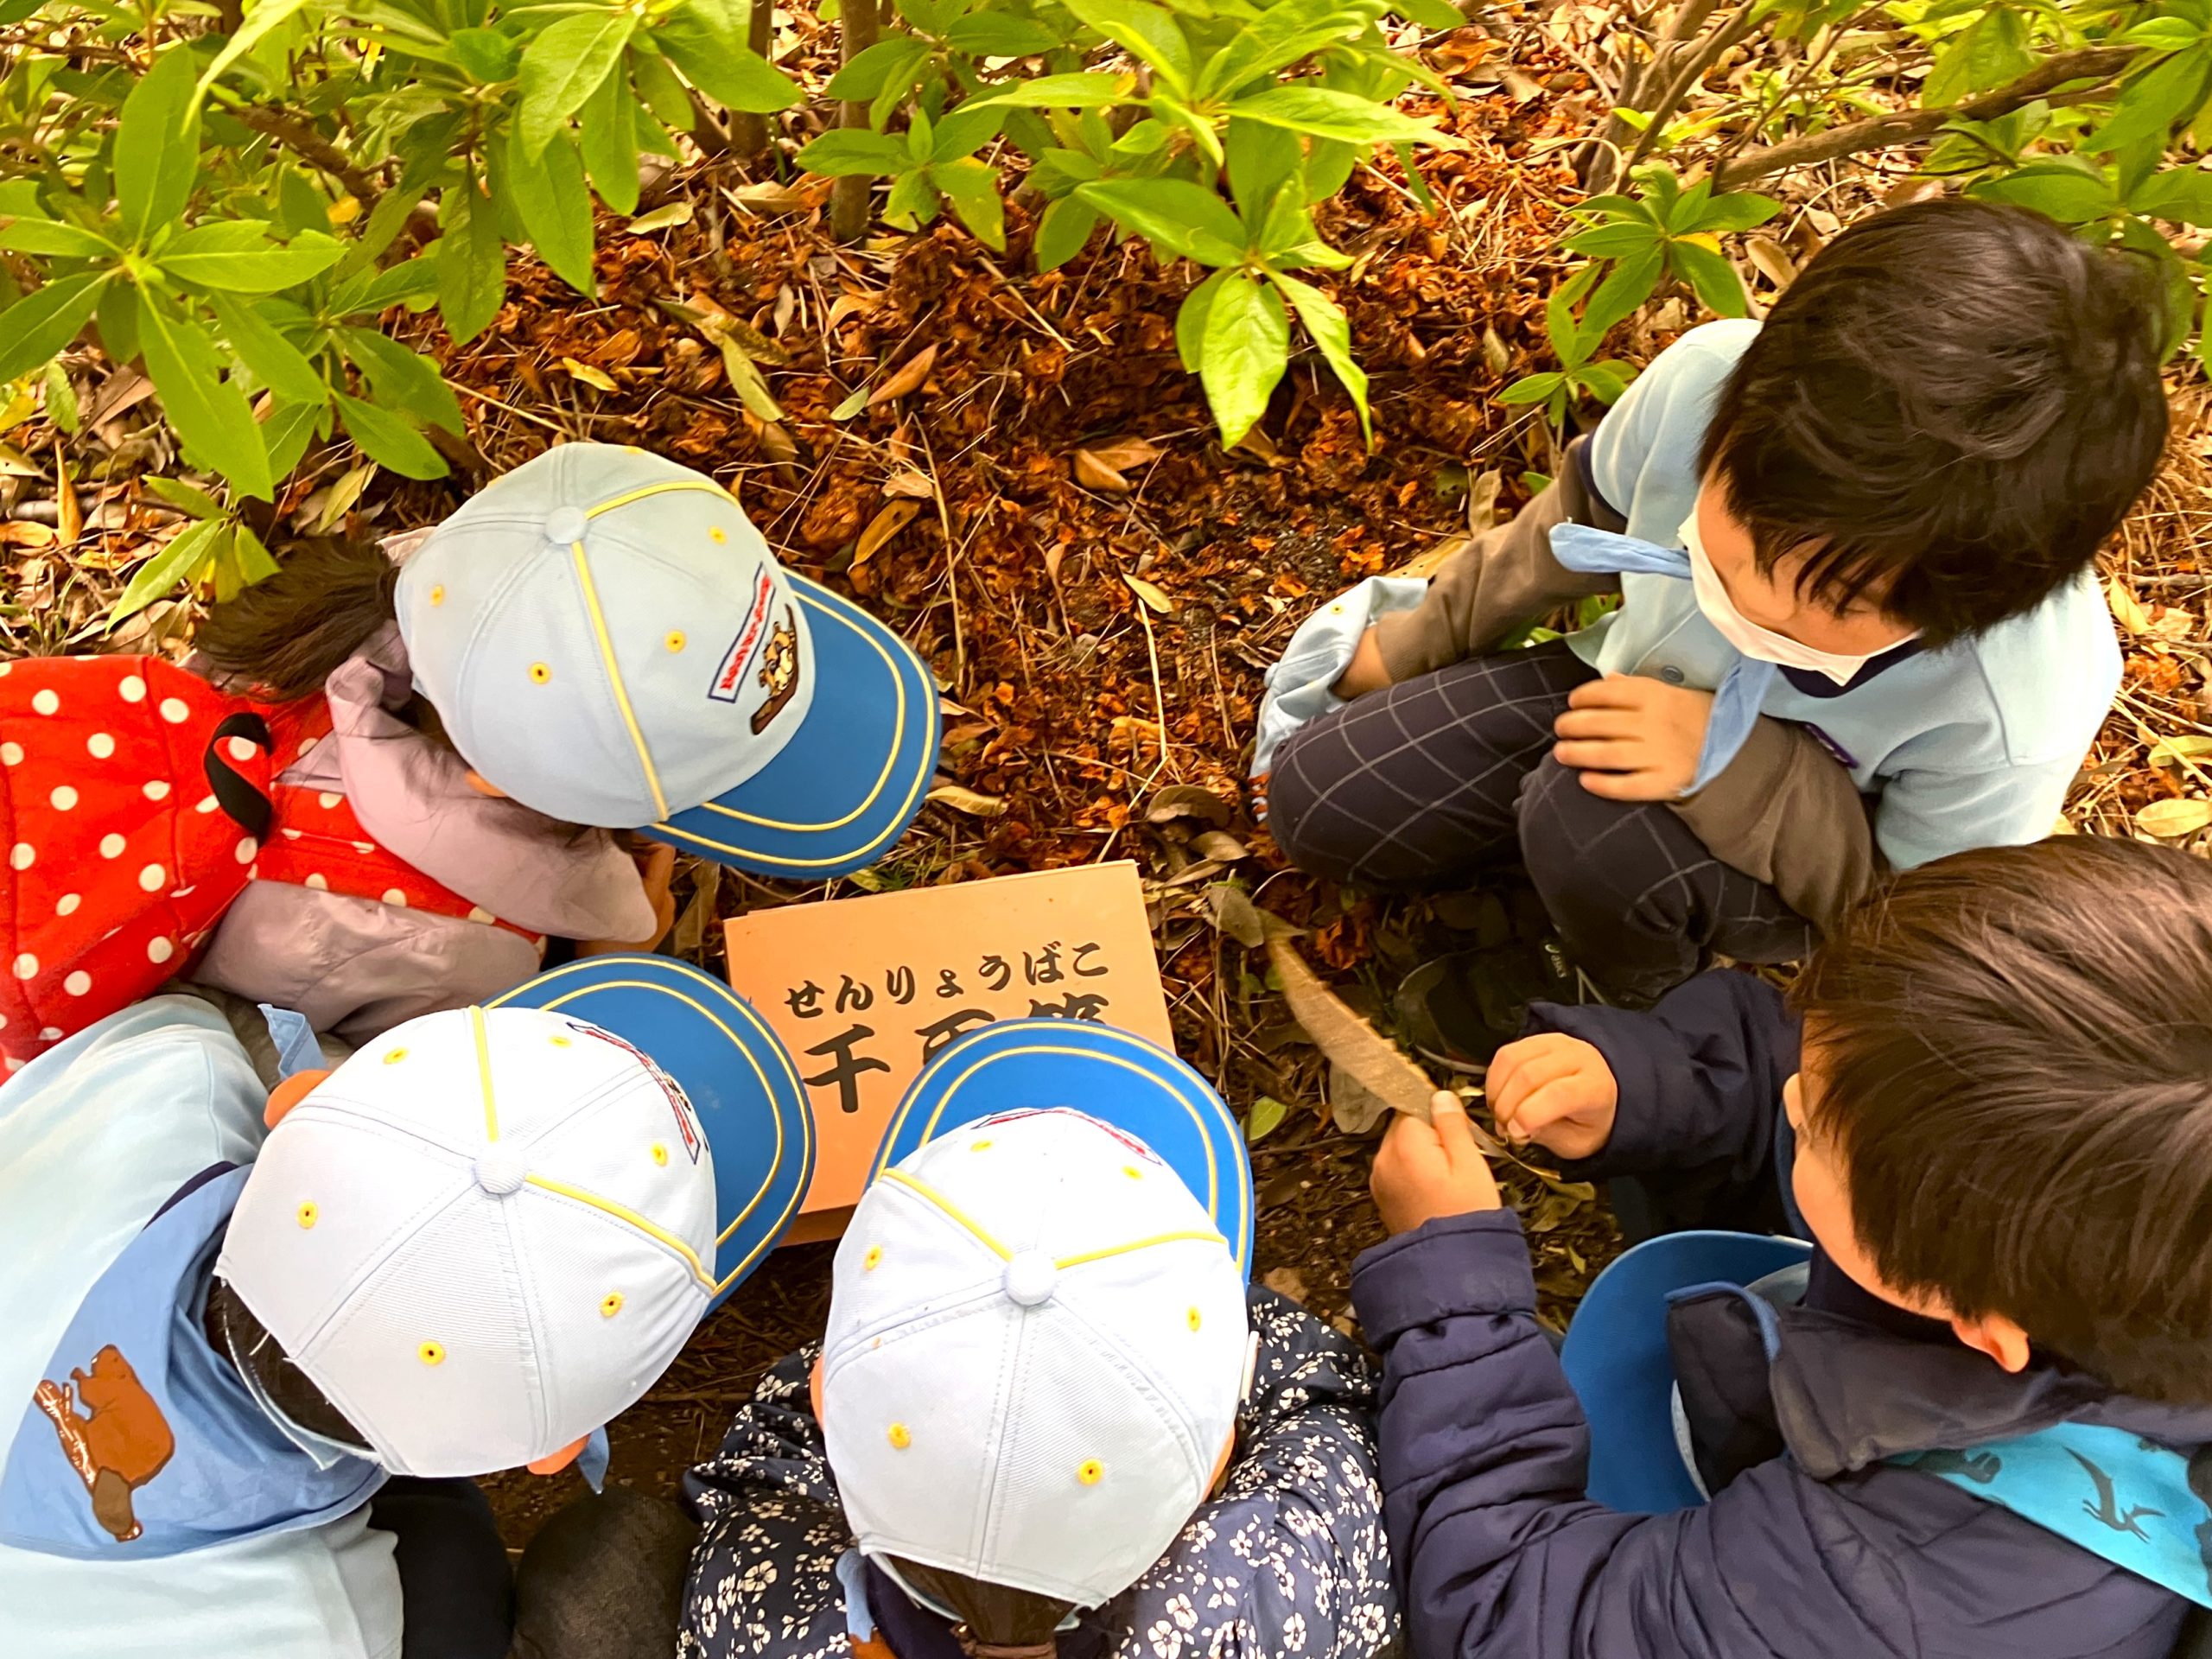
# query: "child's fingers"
{"type": "Point", "coordinates": [1554, 1102]}
{"type": "Point", "coordinates": [1599, 723]}
{"type": "Point", "coordinates": [1634, 784]}
{"type": "Point", "coordinates": [1614, 691]}
{"type": "Point", "coordinates": [1606, 754]}
{"type": "Point", "coordinates": [1508, 1100]}
{"type": "Point", "coordinates": [1447, 1116]}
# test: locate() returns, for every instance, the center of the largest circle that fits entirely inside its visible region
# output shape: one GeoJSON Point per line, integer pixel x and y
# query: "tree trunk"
{"type": "Point", "coordinates": [748, 134]}
{"type": "Point", "coordinates": [849, 199]}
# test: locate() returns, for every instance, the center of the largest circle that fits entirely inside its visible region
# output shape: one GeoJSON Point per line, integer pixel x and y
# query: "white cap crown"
{"type": "Point", "coordinates": [481, 1237]}
{"type": "Point", "coordinates": [1034, 1357]}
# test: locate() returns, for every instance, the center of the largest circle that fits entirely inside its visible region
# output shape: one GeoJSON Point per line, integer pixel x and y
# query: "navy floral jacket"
{"type": "Point", "coordinates": [1288, 1562]}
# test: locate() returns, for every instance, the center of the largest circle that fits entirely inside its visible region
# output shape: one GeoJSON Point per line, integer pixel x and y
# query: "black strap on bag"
{"type": "Point", "coordinates": [253, 811]}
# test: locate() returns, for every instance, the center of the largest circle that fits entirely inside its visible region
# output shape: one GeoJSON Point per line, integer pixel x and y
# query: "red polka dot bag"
{"type": "Point", "coordinates": [136, 801]}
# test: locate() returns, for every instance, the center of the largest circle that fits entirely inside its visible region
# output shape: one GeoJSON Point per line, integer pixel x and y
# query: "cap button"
{"type": "Point", "coordinates": [500, 1170]}
{"type": "Point", "coordinates": [564, 526]}
{"type": "Point", "coordinates": [1030, 1278]}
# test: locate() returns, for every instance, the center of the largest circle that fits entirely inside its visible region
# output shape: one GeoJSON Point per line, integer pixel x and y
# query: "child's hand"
{"type": "Point", "coordinates": [1432, 1169]}
{"type": "Point", "coordinates": [656, 868]}
{"type": "Point", "coordinates": [1633, 738]}
{"type": "Point", "coordinates": [1556, 1090]}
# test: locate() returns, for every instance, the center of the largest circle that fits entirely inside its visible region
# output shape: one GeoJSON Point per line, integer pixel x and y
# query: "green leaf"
{"type": "Point", "coordinates": [207, 412]}
{"type": "Point", "coordinates": [1331, 330]}
{"type": "Point", "coordinates": [550, 198]}
{"type": "Point", "coordinates": [472, 265]}
{"type": "Point", "coordinates": [389, 441]}
{"type": "Point", "coordinates": [1146, 33]}
{"type": "Point", "coordinates": [488, 56]}
{"type": "Point", "coordinates": [1560, 325]}
{"type": "Point", "coordinates": [35, 328]}
{"type": "Point", "coordinates": [1246, 350]}
{"type": "Point", "coordinates": [1605, 381]}
{"type": "Point", "coordinates": [972, 188]}
{"type": "Point", "coordinates": [1615, 241]}
{"type": "Point", "coordinates": [1268, 1113]}
{"type": "Point", "coordinates": [1432, 14]}
{"type": "Point", "coordinates": [657, 85]}
{"type": "Point", "coordinates": [609, 131]}
{"type": "Point", "coordinates": [966, 130]}
{"type": "Point", "coordinates": [185, 497]}
{"type": "Point", "coordinates": [846, 152]}
{"type": "Point", "coordinates": [888, 63]}
{"type": "Point", "coordinates": [1992, 50]}
{"type": "Point", "coordinates": [1531, 388]}
{"type": "Point", "coordinates": [403, 379]}
{"type": "Point", "coordinates": [60, 398]}
{"type": "Point", "coordinates": [2182, 193]}
{"type": "Point", "coordinates": [157, 147]}
{"type": "Point", "coordinates": [1739, 210]}
{"type": "Point", "coordinates": [1184, 218]}
{"type": "Point", "coordinates": [1200, 127]}
{"type": "Point", "coordinates": [2150, 104]}
{"type": "Point", "coordinates": [1277, 37]}
{"type": "Point", "coordinates": [1075, 91]}
{"type": "Point", "coordinates": [186, 551]}
{"type": "Point", "coordinates": [919, 137]}
{"type": "Point", "coordinates": [250, 32]}
{"type": "Point", "coordinates": [276, 362]}
{"type": "Point", "coordinates": [1323, 113]}
{"type": "Point", "coordinates": [1061, 232]}
{"type": "Point", "coordinates": [1260, 158]}
{"type": "Point", "coordinates": [1626, 286]}
{"type": "Point", "coordinates": [255, 563]}
{"type": "Point", "coordinates": [2163, 35]}
{"type": "Point", "coordinates": [119, 323]}
{"type": "Point", "coordinates": [412, 282]}
{"type": "Point", "coordinates": [2073, 192]}
{"type": "Point", "coordinates": [287, 432]}
{"type": "Point", "coordinates": [1191, 321]}
{"type": "Point", "coordinates": [708, 44]}
{"type": "Point", "coordinates": [564, 67]}
{"type": "Point", "coordinates": [51, 236]}
{"type": "Point", "coordinates": [1713, 278]}
{"type": "Point", "coordinates": [999, 34]}
{"type": "Point", "coordinates": [236, 256]}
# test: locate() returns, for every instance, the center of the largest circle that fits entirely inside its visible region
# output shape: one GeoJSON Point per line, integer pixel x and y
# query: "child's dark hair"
{"type": "Point", "coordinates": [1955, 403]}
{"type": "Point", "coordinates": [234, 1332]}
{"type": "Point", "coordinates": [2010, 1053]}
{"type": "Point", "coordinates": [997, 1622]}
{"type": "Point", "coordinates": [282, 638]}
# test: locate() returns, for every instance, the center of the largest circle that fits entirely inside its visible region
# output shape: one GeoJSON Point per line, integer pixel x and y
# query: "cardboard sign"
{"type": "Point", "coordinates": [863, 991]}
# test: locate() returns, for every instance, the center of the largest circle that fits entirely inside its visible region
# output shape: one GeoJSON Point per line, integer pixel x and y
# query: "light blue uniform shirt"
{"type": "Point", "coordinates": [95, 1135]}
{"type": "Point", "coordinates": [1973, 744]}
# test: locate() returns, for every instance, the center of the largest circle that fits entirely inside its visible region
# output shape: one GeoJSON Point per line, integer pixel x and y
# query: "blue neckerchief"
{"type": "Point", "coordinates": [1736, 703]}
{"type": "Point", "coordinates": [2116, 1495]}
{"type": "Point", "coordinates": [141, 1440]}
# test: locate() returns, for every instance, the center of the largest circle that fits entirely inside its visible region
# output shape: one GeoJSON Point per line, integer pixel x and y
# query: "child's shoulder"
{"type": "Point", "coordinates": [2049, 674]}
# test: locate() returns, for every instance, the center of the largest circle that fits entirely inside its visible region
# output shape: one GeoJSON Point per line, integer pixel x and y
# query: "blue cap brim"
{"type": "Point", "coordinates": [739, 1078]}
{"type": "Point", "coordinates": [853, 775]}
{"type": "Point", "coordinates": [1618, 1359]}
{"type": "Point", "coordinates": [1020, 1065]}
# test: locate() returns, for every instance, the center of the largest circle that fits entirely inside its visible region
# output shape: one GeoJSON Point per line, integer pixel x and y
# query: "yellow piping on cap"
{"type": "Point", "coordinates": [1194, 1236]}
{"type": "Point", "coordinates": [900, 1178]}
{"type": "Point", "coordinates": [629, 1217]}
{"type": "Point", "coordinates": [615, 674]}
{"type": "Point", "coordinates": [484, 1073]}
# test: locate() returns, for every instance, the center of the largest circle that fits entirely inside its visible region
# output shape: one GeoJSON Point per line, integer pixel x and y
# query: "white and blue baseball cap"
{"type": "Point", "coordinates": [608, 639]}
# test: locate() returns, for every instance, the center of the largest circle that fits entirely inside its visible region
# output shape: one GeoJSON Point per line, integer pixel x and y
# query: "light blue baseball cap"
{"type": "Point", "coordinates": [608, 639]}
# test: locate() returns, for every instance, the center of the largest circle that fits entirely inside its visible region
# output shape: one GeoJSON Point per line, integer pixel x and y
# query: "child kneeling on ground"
{"type": "Point", "coordinates": [1852, 546]}
{"type": "Point", "coordinates": [1993, 1130]}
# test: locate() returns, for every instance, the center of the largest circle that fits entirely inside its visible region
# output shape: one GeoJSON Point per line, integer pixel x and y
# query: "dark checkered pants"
{"type": "Point", "coordinates": [1428, 781]}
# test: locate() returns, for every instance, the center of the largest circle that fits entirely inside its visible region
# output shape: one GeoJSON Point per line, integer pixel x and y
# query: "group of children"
{"type": "Point", "coordinates": [353, 1144]}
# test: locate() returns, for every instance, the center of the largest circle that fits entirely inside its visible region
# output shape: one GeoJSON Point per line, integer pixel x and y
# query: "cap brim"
{"type": "Point", "coordinates": [1019, 1064]}
{"type": "Point", "coordinates": [1618, 1359]}
{"type": "Point", "coordinates": [850, 778]}
{"type": "Point", "coordinates": [739, 1078]}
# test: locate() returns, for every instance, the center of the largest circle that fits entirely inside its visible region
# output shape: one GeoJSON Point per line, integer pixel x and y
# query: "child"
{"type": "Point", "coordinates": [599, 639]}
{"type": "Point", "coordinates": [240, 1369]}
{"type": "Point", "coordinates": [1891, 493]}
{"type": "Point", "coordinates": [1994, 1137]}
{"type": "Point", "coordinates": [1048, 1416]}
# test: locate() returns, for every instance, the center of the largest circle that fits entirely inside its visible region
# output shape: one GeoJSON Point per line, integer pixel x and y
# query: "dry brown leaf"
{"type": "Point", "coordinates": [1496, 357]}
{"type": "Point", "coordinates": [908, 377]}
{"type": "Point", "coordinates": [1053, 555]}
{"type": "Point", "coordinates": [1219, 844]}
{"type": "Point", "coordinates": [1481, 499]}
{"type": "Point", "coordinates": [691, 927]}
{"type": "Point", "coordinates": [2173, 750]}
{"type": "Point", "coordinates": [20, 533]}
{"type": "Point", "coordinates": [69, 513]}
{"type": "Point", "coordinates": [1234, 914]}
{"type": "Point", "coordinates": [1125, 454]}
{"type": "Point", "coordinates": [1349, 1041]}
{"type": "Point", "coordinates": [777, 442]}
{"type": "Point", "coordinates": [1521, 86]}
{"type": "Point", "coordinates": [1189, 801]}
{"type": "Point", "coordinates": [765, 199]}
{"type": "Point", "coordinates": [908, 482]}
{"type": "Point", "coordinates": [2126, 609]}
{"type": "Point", "coordinates": [1096, 474]}
{"type": "Point", "coordinates": [337, 501]}
{"type": "Point", "coordinates": [2171, 820]}
{"type": "Point", "coordinates": [588, 375]}
{"type": "Point", "coordinates": [1150, 595]}
{"type": "Point", "coordinates": [1772, 259]}
{"type": "Point", "coordinates": [961, 799]}
{"type": "Point", "coordinates": [1354, 1108]}
{"type": "Point", "coordinates": [662, 218]}
{"type": "Point", "coordinates": [1259, 443]}
{"type": "Point", "coordinates": [894, 517]}
{"type": "Point", "coordinates": [1286, 1281]}
{"type": "Point", "coordinates": [754, 344]}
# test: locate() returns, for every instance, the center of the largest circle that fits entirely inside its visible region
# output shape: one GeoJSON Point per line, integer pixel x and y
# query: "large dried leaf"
{"type": "Point", "coordinates": [2170, 820]}
{"type": "Point", "coordinates": [962, 799]}
{"type": "Point", "coordinates": [908, 378]}
{"type": "Point", "coordinates": [1347, 1039]}
{"type": "Point", "coordinates": [1150, 595]}
{"type": "Point", "coordinates": [1096, 474]}
{"type": "Point", "coordinates": [1192, 801]}
{"type": "Point", "coordinates": [894, 517]}
{"type": "Point", "coordinates": [2126, 609]}
{"type": "Point", "coordinates": [1354, 1108]}
{"type": "Point", "coordinates": [1234, 914]}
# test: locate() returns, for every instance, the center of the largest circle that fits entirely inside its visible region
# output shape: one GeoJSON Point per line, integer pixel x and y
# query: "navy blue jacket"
{"type": "Point", "coordinates": [1813, 1548]}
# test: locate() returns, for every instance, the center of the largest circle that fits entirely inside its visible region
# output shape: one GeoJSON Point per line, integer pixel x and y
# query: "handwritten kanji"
{"type": "Point", "coordinates": [939, 1032]}
{"type": "Point", "coordinates": [804, 1000]}
{"type": "Point", "coordinates": [853, 997]}
{"type": "Point", "coordinates": [847, 1069]}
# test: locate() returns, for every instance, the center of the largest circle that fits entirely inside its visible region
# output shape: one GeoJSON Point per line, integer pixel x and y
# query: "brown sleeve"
{"type": "Point", "coordinates": [1500, 580]}
{"type": "Point", "coordinates": [1786, 812]}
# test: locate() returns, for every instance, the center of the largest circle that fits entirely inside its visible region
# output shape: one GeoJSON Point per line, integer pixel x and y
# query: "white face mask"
{"type": "Point", "coordinates": [1748, 636]}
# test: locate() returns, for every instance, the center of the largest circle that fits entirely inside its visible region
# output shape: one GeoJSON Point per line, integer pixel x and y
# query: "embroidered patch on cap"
{"type": "Point", "coordinates": [687, 1122]}
{"type": "Point", "coordinates": [778, 672]}
{"type": "Point", "coordinates": [730, 675]}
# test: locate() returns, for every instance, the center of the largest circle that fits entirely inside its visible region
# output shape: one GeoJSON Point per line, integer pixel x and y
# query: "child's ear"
{"type": "Point", "coordinates": [559, 1460]}
{"type": "Point", "coordinates": [290, 1093]}
{"type": "Point", "coordinates": [1996, 1336]}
